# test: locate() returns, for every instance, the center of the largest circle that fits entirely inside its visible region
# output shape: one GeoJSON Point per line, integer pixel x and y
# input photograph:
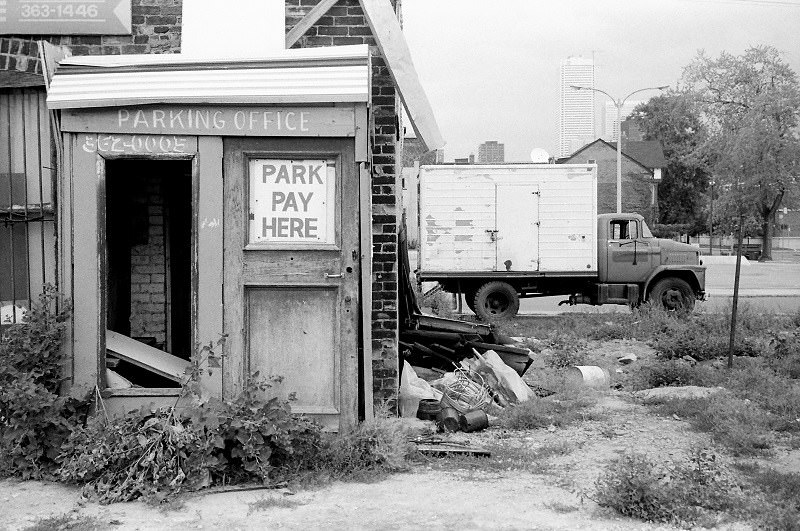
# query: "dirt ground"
{"type": "Point", "coordinates": [431, 496]}
{"type": "Point", "coordinates": [491, 493]}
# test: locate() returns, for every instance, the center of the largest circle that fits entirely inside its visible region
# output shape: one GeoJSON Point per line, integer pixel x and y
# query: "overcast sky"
{"type": "Point", "coordinates": [491, 67]}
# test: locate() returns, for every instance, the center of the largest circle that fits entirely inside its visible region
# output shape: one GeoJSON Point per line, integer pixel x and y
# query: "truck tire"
{"type": "Point", "coordinates": [496, 301]}
{"type": "Point", "coordinates": [673, 294]}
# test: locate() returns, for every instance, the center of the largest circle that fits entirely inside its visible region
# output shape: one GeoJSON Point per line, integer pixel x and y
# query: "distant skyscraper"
{"type": "Point", "coordinates": [576, 109]}
{"type": "Point", "coordinates": [610, 118]}
{"type": "Point", "coordinates": [491, 152]}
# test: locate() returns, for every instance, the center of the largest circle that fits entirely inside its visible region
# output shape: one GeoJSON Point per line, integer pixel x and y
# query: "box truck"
{"type": "Point", "coordinates": [498, 233]}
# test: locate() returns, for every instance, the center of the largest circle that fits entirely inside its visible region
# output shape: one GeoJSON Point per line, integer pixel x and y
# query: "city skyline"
{"type": "Point", "coordinates": [576, 109]}
{"type": "Point", "coordinates": [502, 61]}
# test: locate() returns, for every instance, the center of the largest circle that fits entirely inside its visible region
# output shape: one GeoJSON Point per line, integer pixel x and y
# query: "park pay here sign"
{"type": "Point", "coordinates": [292, 201]}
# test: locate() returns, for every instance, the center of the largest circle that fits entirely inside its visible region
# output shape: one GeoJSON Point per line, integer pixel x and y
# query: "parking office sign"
{"type": "Point", "coordinates": [292, 202]}
{"type": "Point", "coordinates": [65, 17]}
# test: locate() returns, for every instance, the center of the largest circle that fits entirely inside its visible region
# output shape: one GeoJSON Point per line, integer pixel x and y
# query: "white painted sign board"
{"type": "Point", "coordinates": [65, 17]}
{"type": "Point", "coordinates": [292, 202]}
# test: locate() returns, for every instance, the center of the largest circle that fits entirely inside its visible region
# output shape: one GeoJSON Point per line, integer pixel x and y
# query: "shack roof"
{"type": "Point", "coordinates": [298, 76]}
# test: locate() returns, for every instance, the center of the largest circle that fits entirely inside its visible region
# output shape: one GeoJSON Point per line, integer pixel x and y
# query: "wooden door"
{"type": "Point", "coordinates": [291, 272]}
{"type": "Point", "coordinates": [517, 232]}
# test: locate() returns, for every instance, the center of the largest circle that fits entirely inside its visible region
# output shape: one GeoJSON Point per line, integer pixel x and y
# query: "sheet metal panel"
{"type": "Point", "coordinates": [459, 211]}
{"type": "Point", "coordinates": [280, 85]}
{"type": "Point", "coordinates": [307, 77]}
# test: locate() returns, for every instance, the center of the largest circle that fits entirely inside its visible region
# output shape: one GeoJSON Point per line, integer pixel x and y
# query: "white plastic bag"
{"type": "Point", "coordinates": [511, 385]}
{"type": "Point", "coordinates": [412, 390]}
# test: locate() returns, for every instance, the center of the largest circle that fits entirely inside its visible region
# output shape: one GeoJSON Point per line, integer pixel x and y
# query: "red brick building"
{"type": "Point", "coordinates": [642, 164]}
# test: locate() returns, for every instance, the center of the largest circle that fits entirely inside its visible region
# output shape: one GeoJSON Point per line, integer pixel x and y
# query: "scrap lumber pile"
{"type": "Point", "coordinates": [457, 360]}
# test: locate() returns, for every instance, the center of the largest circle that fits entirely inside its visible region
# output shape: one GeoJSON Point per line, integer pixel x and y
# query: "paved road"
{"type": "Point", "coordinates": [770, 286]}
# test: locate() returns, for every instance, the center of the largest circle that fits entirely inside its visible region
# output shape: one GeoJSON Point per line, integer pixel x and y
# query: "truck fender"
{"type": "Point", "coordinates": [694, 275]}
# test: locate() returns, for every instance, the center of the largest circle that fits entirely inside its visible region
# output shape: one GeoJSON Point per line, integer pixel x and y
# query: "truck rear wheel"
{"type": "Point", "coordinates": [496, 301]}
{"type": "Point", "coordinates": [673, 294]}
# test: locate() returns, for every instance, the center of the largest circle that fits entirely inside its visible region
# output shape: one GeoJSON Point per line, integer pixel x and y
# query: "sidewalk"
{"type": "Point", "coordinates": [728, 292]}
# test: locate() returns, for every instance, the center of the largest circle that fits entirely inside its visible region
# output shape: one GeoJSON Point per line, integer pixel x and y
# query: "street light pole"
{"type": "Point", "coordinates": [618, 103]}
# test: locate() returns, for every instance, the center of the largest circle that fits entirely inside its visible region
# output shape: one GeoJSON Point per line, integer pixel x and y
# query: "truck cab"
{"type": "Point", "coordinates": [635, 266]}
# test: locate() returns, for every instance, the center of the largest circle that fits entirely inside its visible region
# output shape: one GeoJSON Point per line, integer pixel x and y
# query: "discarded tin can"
{"type": "Point", "coordinates": [428, 409]}
{"type": "Point", "coordinates": [590, 376]}
{"type": "Point", "coordinates": [475, 420]}
{"type": "Point", "coordinates": [448, 419]}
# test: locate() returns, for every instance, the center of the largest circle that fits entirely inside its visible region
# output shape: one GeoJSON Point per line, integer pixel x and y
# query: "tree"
{"type": "Point", "coordinates": [671, 119]}
{"type": "Point", "coordinates": [750, 106]}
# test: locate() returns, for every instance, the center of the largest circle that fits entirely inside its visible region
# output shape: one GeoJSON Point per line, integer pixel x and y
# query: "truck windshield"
{"type": "Point", "coordinates": [646, 230]}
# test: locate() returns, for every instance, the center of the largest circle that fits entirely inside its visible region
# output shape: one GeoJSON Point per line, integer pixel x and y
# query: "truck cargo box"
{"type": "Point", "coordinates": [513, 217]}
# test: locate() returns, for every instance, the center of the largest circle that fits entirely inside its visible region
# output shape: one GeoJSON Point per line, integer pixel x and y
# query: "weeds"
{"type": "Point", "coordinates": [374, 447]}
{"type": "Point", "coordinates": [740, 425]}
{"type": "Point", "coordinates": [778, 506]}
{"type": "Point", "coordinates": [65, 522]}
{"type": "Point", "coordinates": [559, 410]}
{"type": "Point", "coordinates": [682, 493]}
{"type": "Point", "coordinates": [271, 502]}
{"type": "Point", "coordinates": [34, 419]}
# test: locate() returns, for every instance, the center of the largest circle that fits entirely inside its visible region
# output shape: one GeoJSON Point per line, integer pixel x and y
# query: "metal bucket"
{"type": "Point", "coordinates": [449, 419]}
{"type": "Point", "coordinates": [589, 376]}
{"type": "Point", "coordinates": [475, 420]}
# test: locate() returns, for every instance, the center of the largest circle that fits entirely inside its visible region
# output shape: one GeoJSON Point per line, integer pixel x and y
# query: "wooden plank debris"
{"type": "Point", "coordinates": [441, 449]}
{"type": "Point", "coordinates": [144, 356]}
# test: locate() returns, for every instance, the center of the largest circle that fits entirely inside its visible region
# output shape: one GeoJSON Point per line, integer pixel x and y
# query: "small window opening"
{"type": "Point", "coordinates": [148, 272]}
{"type": "Point", "coordinates": [623, 229]}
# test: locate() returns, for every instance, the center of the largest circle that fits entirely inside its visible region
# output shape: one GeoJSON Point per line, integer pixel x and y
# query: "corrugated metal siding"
{"type": "Point", "coordinates": [115, 81]}
{"type": "Point", "coordinates": [457, 207]}
{"type": "Point", "coordinates": [27, 229]}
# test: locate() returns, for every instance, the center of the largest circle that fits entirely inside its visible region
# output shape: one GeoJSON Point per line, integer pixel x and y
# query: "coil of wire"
{"type": "Point", "coordinates": [466, 392]}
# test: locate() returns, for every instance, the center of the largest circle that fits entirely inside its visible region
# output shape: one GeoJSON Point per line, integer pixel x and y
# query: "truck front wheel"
{"type": "Point", "coordinates": [673, 294]}
{"type": "Point", "coordinates": [495, 301]}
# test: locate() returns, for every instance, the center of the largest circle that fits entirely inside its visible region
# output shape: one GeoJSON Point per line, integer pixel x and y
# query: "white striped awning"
{"type": "Point", "coordinates": [309, 75]}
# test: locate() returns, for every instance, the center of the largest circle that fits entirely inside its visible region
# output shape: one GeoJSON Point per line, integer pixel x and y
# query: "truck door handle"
{"type": "Point", "coordinates": [334, 275]}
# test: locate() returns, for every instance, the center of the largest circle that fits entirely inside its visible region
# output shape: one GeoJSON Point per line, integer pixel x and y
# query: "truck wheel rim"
{"type": "Point", "coordinates": [673, 299]}
{"type": "Point", "coordinates": [496, 304]}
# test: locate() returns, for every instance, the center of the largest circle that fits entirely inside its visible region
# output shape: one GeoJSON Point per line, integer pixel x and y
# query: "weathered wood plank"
{"type": "Point", "coordinates": [209, 250]}
{"type": "Point", "coordinates": [389, 36]}
{"type": "Point", "coordinates": [307, 21]}
{"type": "Point", "coordinates": [144, 356]}
{"type": "Point", "coordinates": [219, 120]}
{"type": "Point", "coordinates": [84, 255]}
{"type": "Point", "coordinates": [365, 257]}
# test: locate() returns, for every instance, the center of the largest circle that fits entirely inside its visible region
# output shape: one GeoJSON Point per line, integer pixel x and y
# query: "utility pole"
{"type": "Point", "coordinates": [618, 103]}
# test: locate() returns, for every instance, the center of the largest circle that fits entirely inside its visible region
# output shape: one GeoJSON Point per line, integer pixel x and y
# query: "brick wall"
{"type": "Point", "coordinates": [636, 182]}
{"type": "Point", "coordinates": [345, 24]}
{"type": "Point", "coordinates": [148, 261]}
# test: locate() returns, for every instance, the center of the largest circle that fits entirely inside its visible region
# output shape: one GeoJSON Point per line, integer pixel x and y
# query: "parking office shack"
{"type": "Point", "coordinates": [222, 197]}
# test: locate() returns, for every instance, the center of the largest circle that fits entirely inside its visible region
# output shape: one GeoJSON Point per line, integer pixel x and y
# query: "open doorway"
{"type": "Point", "coordinates": [148, 233]}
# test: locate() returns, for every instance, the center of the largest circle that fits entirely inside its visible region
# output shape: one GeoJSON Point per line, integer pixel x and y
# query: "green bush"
{"type": "Point", "coordinates": [153, 453]}
{"type": "Point", "coordinates": [681, 493]}
{"type": "Point", "coordinates": [34, 419]}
